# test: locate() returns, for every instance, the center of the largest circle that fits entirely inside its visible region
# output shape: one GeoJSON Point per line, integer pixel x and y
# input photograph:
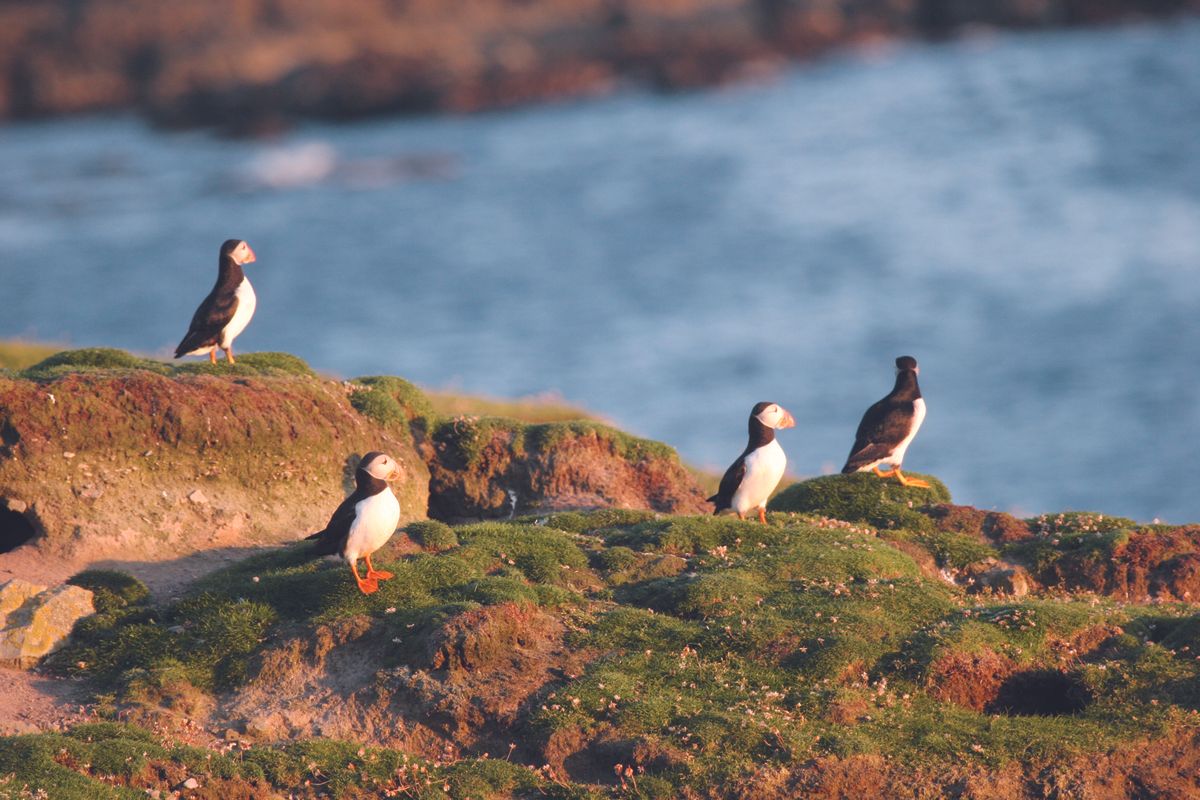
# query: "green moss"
{"type": "Point", "coordinates": [250, 364]}
{"type": "Point", "coordinates": [89, 359]}
{"type": "Point", "coordinates": [683, 535]}
{"type": "Point", "coordinates": [1043, 552]}
{"type": "Point", "coordinates": [542, 555]}
{"type": "Point", "coordinates": [863, 497]}
{"type": "Point", "coordinates": [615, 559]}
{"type": "Point", "coordinates": [432, 535]}
{"type": "Point", "coordinates": [545, 437]}
{"type": "Point", "coordinates": [111, 590]}
{"type": "Point", "coordinates": [463, 439]}
{"type": "Point", "coordinates": [392, 401]}
{"type": "Point", "coordinates": [948, 548]}
{"type": "Point", "coordinates": [589, 521]}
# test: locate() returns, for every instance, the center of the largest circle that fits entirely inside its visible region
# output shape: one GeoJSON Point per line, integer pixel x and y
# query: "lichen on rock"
{"type": "Point", "coordinates": [35, 620]}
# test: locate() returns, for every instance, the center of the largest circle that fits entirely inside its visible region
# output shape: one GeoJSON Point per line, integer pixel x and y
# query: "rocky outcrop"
{"type": "Point", "coordinates": [498, 468]}
{"type": "Point", "coordinates": [254, 63]}
{"type": "Point", "coordinates": [35, 620]}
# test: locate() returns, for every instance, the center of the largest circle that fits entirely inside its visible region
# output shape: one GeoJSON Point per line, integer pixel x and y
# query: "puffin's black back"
{"type": "Point", "coordinates": [887, 422]}
{"type": "Point", "coordinates": [759, 435]}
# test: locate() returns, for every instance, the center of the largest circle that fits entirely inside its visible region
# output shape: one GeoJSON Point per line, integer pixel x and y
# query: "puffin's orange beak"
{"type": "Point", "coordinates": [250, 258]}
{"type": "Point", "coordinates": [788, 420]}
{"type": "Point", "coordinates": [396, 473]}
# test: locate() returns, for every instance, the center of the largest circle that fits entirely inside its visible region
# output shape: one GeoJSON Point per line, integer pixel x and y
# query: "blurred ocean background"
{"type": "Point", "coordinates": [1022, 214]}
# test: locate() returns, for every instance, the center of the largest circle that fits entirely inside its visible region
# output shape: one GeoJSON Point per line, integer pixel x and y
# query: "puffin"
{"type": "Point", "coordinates": [226, 311]}
{"type": "Point", "coordinates": [889, 426]}
{"type": "Point", "coordinates": [364, 521]}
{"type": "Point", "coordinates": [750, 480]}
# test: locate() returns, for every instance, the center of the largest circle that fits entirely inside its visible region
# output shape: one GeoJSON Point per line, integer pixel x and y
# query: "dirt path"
{"type": "Point", "coordinates": [30, 702]}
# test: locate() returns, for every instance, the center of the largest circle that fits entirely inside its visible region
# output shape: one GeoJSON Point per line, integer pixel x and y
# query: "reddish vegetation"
{"type": "Point", "coordinates": [971, 680]}
{"type": "Point", "coordinates": [579, 471]}
{"type": "Point", "coordinates": [255, 62]}
{"type": "Point", "coordinates": [990, 526]}
{"type": "Point", "coordinates": [1163, 564]}
{"type": "Point", "coordinates": [1168, 769]}
{"type": "Point", "coordinates": [147, 466]}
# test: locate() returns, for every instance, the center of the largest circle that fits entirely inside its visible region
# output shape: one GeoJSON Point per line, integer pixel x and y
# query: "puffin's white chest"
{"type": "Point", "coordinates": [241, 315]}
{"type": "Point", "coordinates": [897, 455]}
{"type": "Point", "coordinates": [764, 468]}
{"type": "Point", "coordinates": [375, 520]}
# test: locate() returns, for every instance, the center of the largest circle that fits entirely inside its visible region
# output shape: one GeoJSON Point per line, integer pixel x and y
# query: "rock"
{"type": "Point", "coordinates": [197, 497]}
{"type": "Point", "coordinates": [498, 468]}
{"type": "Point", "coordinates": [999, 578]}
{"type": "Point", "coordinates": [190, 783]}
{"type": "Point", "coordinates": [34, 621]}
{"type": "Point", "coordinates": [19, 506]}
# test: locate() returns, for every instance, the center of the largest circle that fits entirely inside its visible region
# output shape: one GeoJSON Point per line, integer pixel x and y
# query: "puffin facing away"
{"type": "Point", "coordinates": [364, 521]}
{"type": "Point", "coordinates": [888, 427]}
{"type": "Point", "coordinates": [226, 311]}
{"type": "Point", "coordinates": [750, 480]}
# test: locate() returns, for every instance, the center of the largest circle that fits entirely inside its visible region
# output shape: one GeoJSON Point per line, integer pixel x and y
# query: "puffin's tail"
{"type": "Point", "coordinates": [325, 545]}
{"type": "Point", "coordinates": [716, 501]}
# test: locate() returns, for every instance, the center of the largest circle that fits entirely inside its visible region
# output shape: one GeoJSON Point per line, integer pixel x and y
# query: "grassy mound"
{"type": "Point", "coordinates": [124, 761]}
{"type": "Point", "coordinates": [712, 650]}
{"type": "Point", "coordinates": [863, 497]}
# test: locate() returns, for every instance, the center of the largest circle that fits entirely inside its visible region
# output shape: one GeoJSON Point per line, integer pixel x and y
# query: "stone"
{"type": "Point", "coordinates": [19, 506]}
{"type": "Point", "coordinates": [35, 620]}
{"type": "Point", "coordinates": [191, 783]}
{"type": "Point", "coordinates": [1009, 580]}
{"type": "Point", "coordinates": [198, 497]}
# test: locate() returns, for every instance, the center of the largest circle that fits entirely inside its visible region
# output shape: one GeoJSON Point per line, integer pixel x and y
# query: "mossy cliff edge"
{"type": "Point", "coordinates": [109, 453]}
{"type": "Point", "coordinates": [623, 653]}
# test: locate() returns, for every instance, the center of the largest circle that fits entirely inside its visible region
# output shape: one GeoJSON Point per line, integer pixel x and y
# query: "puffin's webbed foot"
{"type": "Point", "coordinates": [762, 515]}
{"type": "Point", "coordinates": [366, 585]}
{"type": "Point", "coordinates": [212, 356]}
{"type": "Point", "coordinates": [915, 482]}
{"type": "Point", "coordinates": [377, 574]}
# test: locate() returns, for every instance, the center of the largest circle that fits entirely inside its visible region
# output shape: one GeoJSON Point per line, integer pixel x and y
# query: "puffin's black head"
{"type": "Point", "coordinates": [907, 363]}
{"type": "Point", "coordinates": [379, 465]}
{"type": "Point", "coordinates": [237, 251]}
{"type": "Point", "coordinates": [772, 415]}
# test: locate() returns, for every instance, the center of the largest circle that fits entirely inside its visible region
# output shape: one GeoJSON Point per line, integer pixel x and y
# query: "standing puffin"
{"type": "Point", "coordinates": [364, 521]}
{"type": "Point", "coordinates": [226, 311]}
{"type": "Point", "coordinates": [888, 427]}
{"type": "Point", "coordinates": [750, 480]}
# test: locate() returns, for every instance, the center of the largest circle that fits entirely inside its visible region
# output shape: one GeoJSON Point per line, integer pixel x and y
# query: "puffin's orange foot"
{"type": "Point", "coordinates": [915, 482]}
{"type": "Point", "coordinates": [378, 574]}
{"type": "Point", "coordinates": [762, 516]}
{"type": "Point", "coordinates": [884, 474]}
{"type": "Point", "coordinates": [229, 356]}
{"type": "Point", "coordinates": [368, 585]}
{"type": "Point", "coordinates": [212, 356]}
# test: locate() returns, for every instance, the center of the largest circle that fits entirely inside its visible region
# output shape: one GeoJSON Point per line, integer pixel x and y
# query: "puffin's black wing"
{"type": "Point", "coordinates": [333, 538]}
{"type": "Point", "coordinates": [209, 320]}
{"type": "Point", "coordinates": [882, 429]}
{"type": "Point", "coordinates": [729, 484]}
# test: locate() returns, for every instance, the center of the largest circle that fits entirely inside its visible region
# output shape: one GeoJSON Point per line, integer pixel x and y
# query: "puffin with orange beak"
{"type": "Point", "coordinates": [889, 426]}
{"type": "Point", "coordinates": [364, 521]}
{"type": "Point", "coordinates": [749, 481]}
{"type": "Point", "coordinates": [226, 311]}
